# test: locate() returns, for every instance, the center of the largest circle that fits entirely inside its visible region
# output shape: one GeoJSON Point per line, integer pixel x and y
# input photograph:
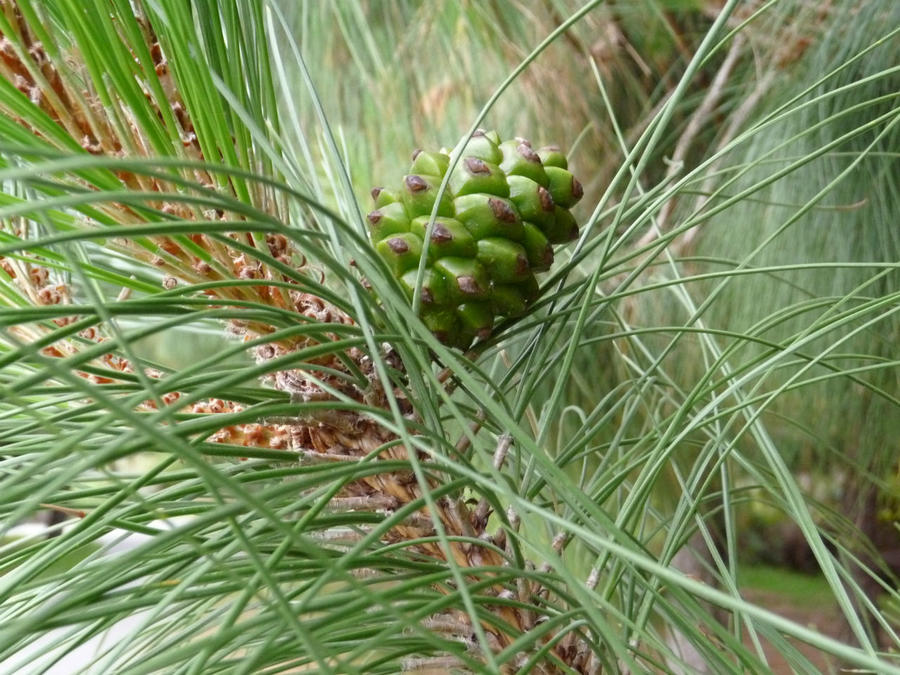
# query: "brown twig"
{"type": "Point", "coordinates": [697, 122]}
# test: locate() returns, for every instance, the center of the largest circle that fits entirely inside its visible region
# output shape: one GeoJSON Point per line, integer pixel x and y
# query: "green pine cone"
{"type": "Point", "coordinates": [429, 163]}
{"type": "Point", "coordinates": [534, 202]}
{"type": "Point", "coordinates": [483, 146]}
{"type": "Point", "coordinates": [449, 237]}
{"type": "Point", "coordinates": [386, 220]}
{"type": "Point", "coordinates": [486, 215]}
{"type": "Point", "coordinates": [383, 197]}
{"type": "Point", "coordinates": [419, 194]}
{"type": "Point", "coordinates": [564, 187]}
{"type": "Point", "coordinates": [551, 155]}
{"type": "Point", "coordinates": [473, 175]}
{"type": "Point", "coordinates": [400, 251]}
{"type": "Point", "coordinates": [504, 209]}
{"type": "Point", "coordinates": [519, 159]}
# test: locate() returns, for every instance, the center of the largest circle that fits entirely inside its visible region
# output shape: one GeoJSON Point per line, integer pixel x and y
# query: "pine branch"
{"type": "Point", "coordinates": [55, 98]}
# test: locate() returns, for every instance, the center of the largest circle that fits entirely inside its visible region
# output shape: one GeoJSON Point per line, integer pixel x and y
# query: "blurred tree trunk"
{"type": "Point", "coordinates": [878, 550]}
{"type": "Point", "coordinates": [877, 546]}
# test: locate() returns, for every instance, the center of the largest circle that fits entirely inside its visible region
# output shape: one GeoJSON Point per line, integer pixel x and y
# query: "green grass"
{"type": "Point", "coordinates": [796, 589]}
